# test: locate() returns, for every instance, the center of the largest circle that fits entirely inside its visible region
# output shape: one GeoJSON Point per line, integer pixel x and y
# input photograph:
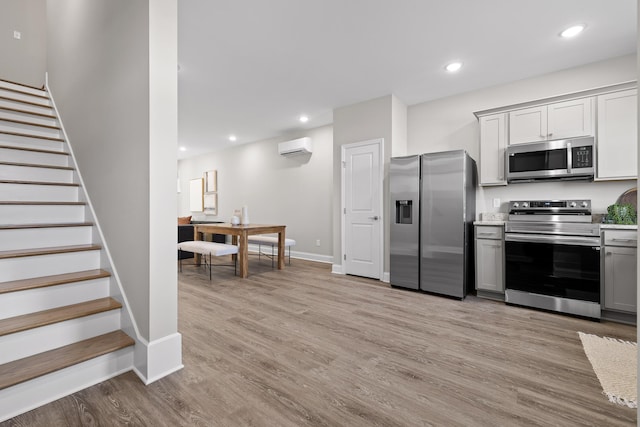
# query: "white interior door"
{"type": "Point", "coordinates": [362, 208]}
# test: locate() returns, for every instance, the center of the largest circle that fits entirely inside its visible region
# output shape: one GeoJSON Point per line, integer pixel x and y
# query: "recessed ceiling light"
{"type": "Point", "coordinates": [572, 31]}
{"type": "Point", "coordinates": [303, 119]}
{"type": "Point", "coordinates": [453, 67]}
{"type": "Point", "coordinates": [232, 138]}
{"type": "Point", "coordinates": [183, 148]}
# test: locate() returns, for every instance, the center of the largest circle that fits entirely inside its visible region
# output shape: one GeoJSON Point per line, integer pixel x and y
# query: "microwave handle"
{"type": "Point", "coordinates": [569, 157]}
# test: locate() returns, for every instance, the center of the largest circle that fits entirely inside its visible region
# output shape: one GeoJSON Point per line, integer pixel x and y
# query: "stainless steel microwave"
{"type": "Point", "coordinates": [562, 159]}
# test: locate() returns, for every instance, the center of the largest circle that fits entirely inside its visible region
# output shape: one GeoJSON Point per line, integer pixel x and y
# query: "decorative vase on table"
{"type": "Point", "coordinates": [245, 216]}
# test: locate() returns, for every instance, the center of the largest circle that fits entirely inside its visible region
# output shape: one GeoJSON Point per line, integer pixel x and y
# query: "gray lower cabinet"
{"type": "Point", "coordinates": [620, 270]}
{"type": "Point", "coordinates": [489, 245]}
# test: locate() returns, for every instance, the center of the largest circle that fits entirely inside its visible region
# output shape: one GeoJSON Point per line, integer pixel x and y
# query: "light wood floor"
{"type": "Point", "coordinates": [303, 347]}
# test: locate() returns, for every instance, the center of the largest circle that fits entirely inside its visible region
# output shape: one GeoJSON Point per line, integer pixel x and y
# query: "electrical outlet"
{"type": "Point", "coordinates": [496, 203]}
{"type": "Point", "coordinates": [17, 35]}
{"type": "Point", "coordinates": [318, 242]}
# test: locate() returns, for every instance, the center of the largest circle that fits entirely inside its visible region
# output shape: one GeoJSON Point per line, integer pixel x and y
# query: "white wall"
{"type": "Point", "coordinates": [449, 123]}
{"type": "Point", "coordinates": [24, 60]}
{"type": "Point", "coordinates": [294, 191]}
{"type": "Point", "coordinates": [112, 68]}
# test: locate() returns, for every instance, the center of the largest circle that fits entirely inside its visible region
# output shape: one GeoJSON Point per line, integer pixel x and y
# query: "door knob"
{"type": "Point", "coordinates": [375, 218]}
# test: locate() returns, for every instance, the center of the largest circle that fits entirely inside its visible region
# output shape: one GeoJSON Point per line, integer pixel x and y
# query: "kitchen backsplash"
{"type": "Point", "coordinates": [602, 194]}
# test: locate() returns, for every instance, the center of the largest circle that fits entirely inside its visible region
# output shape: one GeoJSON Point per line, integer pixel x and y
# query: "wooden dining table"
{"type": "Point", "coordinates": [240, 234]}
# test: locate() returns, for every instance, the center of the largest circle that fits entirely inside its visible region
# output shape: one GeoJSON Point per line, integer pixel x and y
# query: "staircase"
{"type": "Point", "coordinates": [60, 320]}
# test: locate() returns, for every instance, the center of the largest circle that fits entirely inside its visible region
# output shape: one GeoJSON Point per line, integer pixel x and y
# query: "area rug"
{"type": "Point", "coordinates": [615, 364]}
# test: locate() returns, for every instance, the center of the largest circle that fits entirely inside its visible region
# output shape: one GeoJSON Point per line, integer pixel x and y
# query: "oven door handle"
{"type": "Point", "coordinates": [553, 239]}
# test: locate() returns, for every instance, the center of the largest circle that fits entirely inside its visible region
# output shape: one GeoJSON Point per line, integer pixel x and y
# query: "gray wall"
{"type": "Point", "coordinates": [360, 122]}
{"type": "Point", "coordinates": [23, 61]}
{"type": "Point", "coordinates": [98, 65]}
{"type": "Point", "coordinates": [449, 123]}
{"type": "Point", "coordinates": [295, 191]}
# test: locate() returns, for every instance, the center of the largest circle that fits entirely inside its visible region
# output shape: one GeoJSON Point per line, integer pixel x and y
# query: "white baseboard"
{"type": "Point", "coordinates": [158, 358]}
{"type": "Point", "coordinates": [32, 394]}
{"type": "Point", "coordinates": [386, 277]}
{"type": "Point", "coordinates": [337, 269]}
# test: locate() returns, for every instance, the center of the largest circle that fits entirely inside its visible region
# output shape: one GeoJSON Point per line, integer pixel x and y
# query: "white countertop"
{"type": "Point", "coordinates": [618, 227]}
{"type": "Point", "coordinates": [483, 222]}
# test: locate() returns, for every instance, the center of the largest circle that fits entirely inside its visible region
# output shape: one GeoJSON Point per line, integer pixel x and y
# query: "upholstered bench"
{"type": "Point", "coordinates": [260, 239]}
{"type": "Point", "coordinates": [207, 248]}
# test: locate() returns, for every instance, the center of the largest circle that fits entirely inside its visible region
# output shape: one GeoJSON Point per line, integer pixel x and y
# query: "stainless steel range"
{"type": "Point", "coordinates": [552, 256]}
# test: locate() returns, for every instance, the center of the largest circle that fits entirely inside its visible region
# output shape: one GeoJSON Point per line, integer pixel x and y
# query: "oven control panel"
{"type": "Point", "coordinates": [550, 206]}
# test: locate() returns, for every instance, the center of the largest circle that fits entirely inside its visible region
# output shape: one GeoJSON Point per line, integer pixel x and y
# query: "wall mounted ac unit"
{"type": "Point", "coordinates": [295, 147]}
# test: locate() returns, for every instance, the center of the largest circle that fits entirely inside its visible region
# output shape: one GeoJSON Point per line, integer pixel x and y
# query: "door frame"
{"type": "Point", "coordinates": [343, 205]}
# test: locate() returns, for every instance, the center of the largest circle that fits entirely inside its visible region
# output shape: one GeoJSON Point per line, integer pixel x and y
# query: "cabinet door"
{"type": "Point", "coordinates": [620, 271]}
{"type": "Point", "coordinates": [617, 135]}
{"type": "Point", "coordinates": [570, 119]}
{"type": "Point", "coordinates": [528, 125]}
{"type": "Point", "coordinates": [489, 265]}
{"type": "Point", "coordinates": [493, 143]}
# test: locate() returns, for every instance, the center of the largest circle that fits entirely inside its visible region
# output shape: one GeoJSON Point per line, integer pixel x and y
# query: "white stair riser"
{"type": "Point", "coordinates": [6, 126]}
{"type": "Point", "coordinates": [27, 107]}
{"type": "Point", "coordinates": [32, 238]}
{"type": "Point", "coordinates": [27, 173]}
{"type": "Point", "coordinates": [33, 300]}
{"type": "Point", "coordinates": [26, 142]}
{"type": "Point", "coordinates": [26, 117]}
{"type": "Point", "coordinates": [24, 397]}
{"type": "Point", "coordinates": [38, 193]}
{"type": "Point", "coordinates": [21, 88]}
{"type": "Point", "coordinates": [47, 265]}
{"type": "Point", "coordinates": [45, 338]}
{"type": "Point", "coordinates": [33, 157]}
{"type": "Point", "coordinates": [24, 97]}
{"type": "Point", "coordinates": [41, 214]}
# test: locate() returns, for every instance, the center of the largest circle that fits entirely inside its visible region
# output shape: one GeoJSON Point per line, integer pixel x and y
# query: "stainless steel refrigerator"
{"type": "Point", "coordinates": [433, 204]}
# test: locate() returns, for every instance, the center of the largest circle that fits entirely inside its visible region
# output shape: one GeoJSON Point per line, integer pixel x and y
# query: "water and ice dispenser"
{"type": "Point", "coordinates": [404, 209]}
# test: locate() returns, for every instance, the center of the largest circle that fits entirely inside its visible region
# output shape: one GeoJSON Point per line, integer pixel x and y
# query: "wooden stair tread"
{"type": "Point", "coordinates": [25, 322]}
{"type": "Point", "coordinates": [28, 135]}
{"type": "Point", "coordinates": [36, 165]}
{"type": "Point", "coordinates": [62, 184]}
{"type": "Point", "coordinates": [42, 89]}
{"type": "Point", "coordinates": [48, 251]}
{"type": "Point", "coordinates": [36, 150]}
{"type": "Point", "coordinates": [32, 203]}
{"type": "Point", "coordinates": [35, 104]}
{"type": "Point", "coordinates": [22, 92]}
{"type": "Point", "coordinates": [17, 110]}
{"type": "Point", "coordinates": [31, 367]}
{"type": "Point", "coordinates": [46, 281]}
{"type": "Point", "coordinates": [22, 122]}
{"type": "Point", "coordinates": [55, 315]}
{"type": "Point", "coordinates": [49, 225]}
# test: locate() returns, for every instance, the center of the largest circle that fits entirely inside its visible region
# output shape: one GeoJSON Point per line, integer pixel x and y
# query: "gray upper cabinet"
{"type": "Point", "coordinates": [617, 135]}
{"type": "Point", "coordinates": [493, 143]}
{"type": "Point", "coordinates": [608, 113]}
{"type": "Point", "coordinates": [567, 119]}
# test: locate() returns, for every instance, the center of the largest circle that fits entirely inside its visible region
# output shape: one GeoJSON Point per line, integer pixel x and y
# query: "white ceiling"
{"type": "Point", "coordinates": [251, 67]}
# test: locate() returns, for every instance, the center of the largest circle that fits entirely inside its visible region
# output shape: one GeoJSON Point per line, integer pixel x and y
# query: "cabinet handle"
{"type": "Point", "coordinates": [486, 234]}
{"type": "Point", "coordinates": [608, 252]}
{"type": "Point", "coordinates": [550, 134]}
{"type": "Point", "coordinates": [624, 240]}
